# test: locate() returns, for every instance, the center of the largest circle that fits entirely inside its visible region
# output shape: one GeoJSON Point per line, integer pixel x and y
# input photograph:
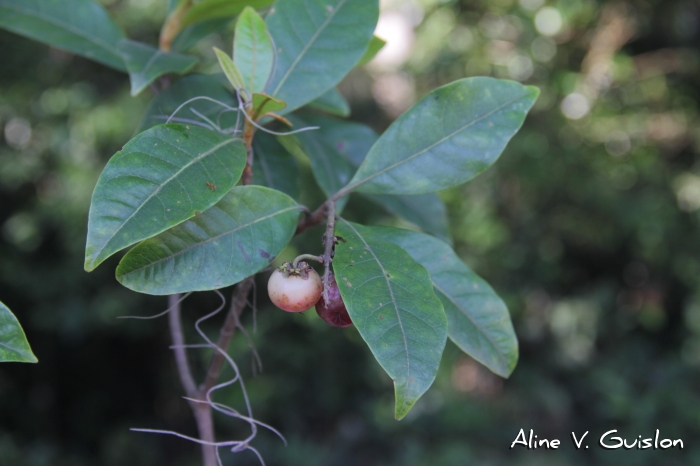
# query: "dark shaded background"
{"type": "Point", "coordinates": [587, 226]}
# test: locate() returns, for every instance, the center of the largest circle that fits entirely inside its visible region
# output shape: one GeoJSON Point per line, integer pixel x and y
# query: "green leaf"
{"type": "Point", "coordinates": [146, 64]}
{"type": "Point", "coordinates": [14, 346]}
{"type": "Point", "coordinates": [233, 74]}
{"type": "Point", "coordinates": [331, 170]}
{"type": "Point", "coordinates": [160, 178]}
{"type": "Point", "coordinates": [374, 47]}
{"type": "Point", "coordinates": [186, 88]}
{"type": "Point", "coordinates": [339, 147]}
{"type": "Point", "coordinates": [253, 52]}
{"type": "Point", "coordinates": [210, 9]}
{"type": "Point", "coordinates": [79, 26]}
{"type": "Point", "coordinates": [390, 299]}
{"type": "Point", "coordinates": [318, 42]}
{"type": "Point", "coordinates": [479, 321]}
{"type": "Point", "coordinates": [192, 34]}
{"type": "Point", "coordinates": [263, 103]}
{"type": "Point", "coordinates": [233, 240]}
{"type": "Point", "coordinates": [426, 211]}
{"type": "Point", "coordinates": [446, 139]}
{"type": "Point", "coordinates": [332, 102]}
{"type": "Point", "coordinates": [273, 166]}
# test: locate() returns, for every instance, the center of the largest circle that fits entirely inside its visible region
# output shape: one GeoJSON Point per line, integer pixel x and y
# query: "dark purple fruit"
{"type": "Point", "coordinates": [335, 313]}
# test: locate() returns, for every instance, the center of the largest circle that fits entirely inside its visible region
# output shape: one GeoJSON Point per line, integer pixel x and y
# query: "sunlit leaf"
{"type": "Point", "coordinates": [318, 42]}
{"type": "Point", "coordinates": [374, 47]}
{"type": "Point", "coordinates": [253, 52]}
{"type": "Point", "coordinates": [211, 9]}
{"type": "Point", "coordinates": [160, 178]}
{"type": "Point", "coordinates": [332, 102]}
{"type": "Point", "coordinates": [235, 239]}
{"type": "Point", "coordinates": [479, 321]}
{"type": "Point", "coordinates": [145, 64]}
{"type": "Point", "coordinates": [446, 139]}
{"type": "Point", "coordinates": [14, 346]}
{"type": "Point", "coordinates": [273, 166]}
{"type": "Point", "coordinates": [194, 85]}
{"type": "Point", "coordinates": [390, 299]}
{"type": "Point", "coordinates": [79, 26]}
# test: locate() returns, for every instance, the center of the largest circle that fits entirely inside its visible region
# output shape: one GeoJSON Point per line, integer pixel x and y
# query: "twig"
{"type": "Point", "coordinates": [328, 242]}
{"type": "Point", "coordinates": [311, 219]}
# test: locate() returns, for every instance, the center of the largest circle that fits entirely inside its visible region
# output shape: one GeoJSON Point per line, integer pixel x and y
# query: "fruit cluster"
{"type": "Point", "coordinates": [297, 288]}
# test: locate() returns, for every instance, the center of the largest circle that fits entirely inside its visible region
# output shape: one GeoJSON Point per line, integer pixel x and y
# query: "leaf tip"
{"type": "Point", "coordinates": [89, 264]}
{"type": "Point", "coordinates": [402, 408]}
{"type": "Point", "coordinates": [533, 92]}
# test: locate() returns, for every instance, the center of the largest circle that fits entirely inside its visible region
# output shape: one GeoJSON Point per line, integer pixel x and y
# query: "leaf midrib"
{"type": "Point", "coordinates": [393, 300]}
{"type": "Point", "coordinates": [435, 144]}
{"type": "Point", "coordinates": [14, 350]}
{"type": "Point", "coordinates": [213, 238]}
{"type": "Point", "coordinates": [96, 255]}
{"type": "Point", "coordinates": [306, 48]}
{"type": "Point", "coordinates": [77, 32]}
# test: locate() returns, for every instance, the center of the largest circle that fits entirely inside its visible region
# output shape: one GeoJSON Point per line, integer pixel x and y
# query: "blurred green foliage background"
{"type": "Point", "coordinates": [588, 227]}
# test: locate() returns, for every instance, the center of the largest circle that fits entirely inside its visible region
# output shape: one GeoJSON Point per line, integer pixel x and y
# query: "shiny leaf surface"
{"type": "Point", "coordinates": [253, 52]}
{"type": "Point", "coordinates": [160, 178]}
{"type": "Point", "coordinates": [479, 321]}
{"type": "Point", "coordinates": [390, 299]}
{"type": "Point", "coordinates": [233, 240]}
{"type": "Point", "coordinates": [79, 26]}
{"type": "Point", "coordinates": [14, 346]}
{"type": "Point", "coordinates": [447, 138]}
{"type": "Point", "coordinates": [318, 42]}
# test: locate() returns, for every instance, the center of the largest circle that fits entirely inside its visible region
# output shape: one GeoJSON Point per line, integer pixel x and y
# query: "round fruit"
{"type": "Point", "coordinates": [294, 289]}
{"type": "Point", "coordinates": [333, 311]}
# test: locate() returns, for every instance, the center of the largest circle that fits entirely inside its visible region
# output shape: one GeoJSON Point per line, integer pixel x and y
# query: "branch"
{"type": "Point", "coordinates": [312, 219]}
